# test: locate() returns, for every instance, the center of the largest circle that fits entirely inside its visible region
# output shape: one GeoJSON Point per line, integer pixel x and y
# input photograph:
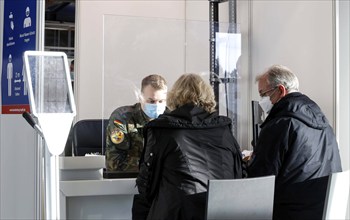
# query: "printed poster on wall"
{"type": "Point", "coordinates": [19, 36]}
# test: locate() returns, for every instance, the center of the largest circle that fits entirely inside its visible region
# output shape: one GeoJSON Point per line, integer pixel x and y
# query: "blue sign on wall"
{"type": "Point", "coordinates": [19, 36]}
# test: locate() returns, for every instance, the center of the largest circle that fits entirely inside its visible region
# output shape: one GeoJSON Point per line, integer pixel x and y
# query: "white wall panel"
{"type": "Point", "coordinates": [343, 68]}
{"type": "Point", "coordinates": [300, 35]}
{"type": "Point", "coordinates": [17, 166]}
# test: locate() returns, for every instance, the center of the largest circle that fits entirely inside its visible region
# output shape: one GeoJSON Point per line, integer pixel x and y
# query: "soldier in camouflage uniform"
{"type": "Point", "coordinates": [124, 141]}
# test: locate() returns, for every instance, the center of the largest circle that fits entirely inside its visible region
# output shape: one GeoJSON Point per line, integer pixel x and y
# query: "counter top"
{"type": "Point", "coordinates": [99, 187]}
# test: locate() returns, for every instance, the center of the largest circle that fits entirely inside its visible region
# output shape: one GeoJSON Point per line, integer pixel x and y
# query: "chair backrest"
{"type": "Point", "coordinates": [89, 136]}
{"type": "Point", "coordinates": [337, 197]}
{"type": "Point", "coordinates": [250, 198]}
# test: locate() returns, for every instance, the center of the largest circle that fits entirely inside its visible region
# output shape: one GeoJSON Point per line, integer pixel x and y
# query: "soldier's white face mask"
{"type": "Point", "coordinates": [154, 110]}
{"type": "Point", "coordinates": [266, 104]}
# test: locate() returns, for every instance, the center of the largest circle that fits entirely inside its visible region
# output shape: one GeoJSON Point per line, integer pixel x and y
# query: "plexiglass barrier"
{"type": "Point", "coordinates": [134, 47]}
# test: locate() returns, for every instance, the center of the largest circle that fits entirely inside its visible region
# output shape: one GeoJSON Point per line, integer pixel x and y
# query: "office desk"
{"type": "Point", "coordinates": [84, 194]}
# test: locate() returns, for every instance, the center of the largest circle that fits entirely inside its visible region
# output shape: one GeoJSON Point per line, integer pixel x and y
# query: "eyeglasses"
{"type": "Point", "coordinates": [264, 93]}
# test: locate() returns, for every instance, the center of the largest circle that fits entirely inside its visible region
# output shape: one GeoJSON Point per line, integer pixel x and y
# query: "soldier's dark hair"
{"type": "Point", "coordinates": [156, 81]}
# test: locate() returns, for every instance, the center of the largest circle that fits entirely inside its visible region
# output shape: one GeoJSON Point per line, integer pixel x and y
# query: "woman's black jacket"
{"type": "Point", "coordinates": [183, 150]}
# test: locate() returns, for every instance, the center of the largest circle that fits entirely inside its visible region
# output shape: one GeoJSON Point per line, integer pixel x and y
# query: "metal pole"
{"type": "Point", "coordinates": [233, 15]}
{"type": "Point", "coordinates": [39, 179]}
{"type": "Point", "coordinates": [230, 86]}
{"type": "Point", "coordinates": [232, 97]}
{"type": "Point", "coordinates": [213, 65]}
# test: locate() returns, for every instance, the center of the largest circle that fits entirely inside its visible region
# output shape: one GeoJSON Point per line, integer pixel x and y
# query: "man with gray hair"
{"type": "Point", "coordinates": [296, 144]}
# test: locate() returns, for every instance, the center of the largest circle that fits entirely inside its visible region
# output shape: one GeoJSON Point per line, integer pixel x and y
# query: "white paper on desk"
{"type": "Point", "coordinates": [246, 153]}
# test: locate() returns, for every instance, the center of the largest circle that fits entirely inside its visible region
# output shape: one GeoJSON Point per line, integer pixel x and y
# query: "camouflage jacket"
{"type": "Point", "coordinates": [124, 138]}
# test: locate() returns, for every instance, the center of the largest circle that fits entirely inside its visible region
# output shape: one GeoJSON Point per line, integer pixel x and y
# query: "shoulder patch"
{"type": "Point", "coordinates": [117, 136]}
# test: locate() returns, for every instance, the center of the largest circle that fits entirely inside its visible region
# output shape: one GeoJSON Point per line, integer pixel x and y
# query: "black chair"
{"type": "Point", "coordinates": [89, 136]}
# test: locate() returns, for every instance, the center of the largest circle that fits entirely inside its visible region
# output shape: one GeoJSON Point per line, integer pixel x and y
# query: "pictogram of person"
{"type": "Point", "coordinates": [27, 21]}
{"type": "Point", "coordinates": [12, 24]}
{"type": "Point", "coordinates": [25, 91]}
{"type": "Point", "coordinates": [9, 76]}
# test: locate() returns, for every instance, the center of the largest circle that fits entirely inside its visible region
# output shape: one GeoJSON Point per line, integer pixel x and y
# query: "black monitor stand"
{"type": "Point", "coordinates": [257, 114]}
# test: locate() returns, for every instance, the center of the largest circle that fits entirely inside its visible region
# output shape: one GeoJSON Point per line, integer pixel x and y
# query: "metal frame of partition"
{"type": "Point", "coordinates": [229, 81]}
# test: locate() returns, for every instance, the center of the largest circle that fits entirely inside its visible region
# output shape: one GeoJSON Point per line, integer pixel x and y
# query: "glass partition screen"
{"type": "Point", "coordinates": [135, 47]}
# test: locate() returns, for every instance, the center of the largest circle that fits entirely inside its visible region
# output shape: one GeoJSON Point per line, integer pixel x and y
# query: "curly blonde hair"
{"type": "Point", "coordinates": [190, 88]}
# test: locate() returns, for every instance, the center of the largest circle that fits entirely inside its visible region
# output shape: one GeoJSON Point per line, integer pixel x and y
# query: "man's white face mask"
{"type": "Point", "coordinates": [266, 104]}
